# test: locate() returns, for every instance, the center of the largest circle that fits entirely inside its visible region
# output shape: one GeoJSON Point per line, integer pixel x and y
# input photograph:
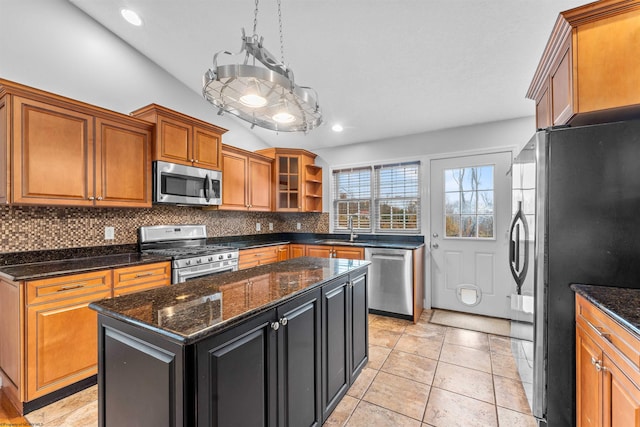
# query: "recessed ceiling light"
{"type": "Point", "coordinates": [131, 17]}
{"type": "Point", "coordinates": [337, 128]}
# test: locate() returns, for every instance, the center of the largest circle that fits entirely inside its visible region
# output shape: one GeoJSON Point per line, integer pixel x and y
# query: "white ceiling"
{"type": "Point", "coordinates": [382, 68]}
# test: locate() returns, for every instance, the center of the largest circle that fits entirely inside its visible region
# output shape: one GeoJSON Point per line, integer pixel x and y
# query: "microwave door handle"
{"type": "Point", "coordinates": [207, 188]}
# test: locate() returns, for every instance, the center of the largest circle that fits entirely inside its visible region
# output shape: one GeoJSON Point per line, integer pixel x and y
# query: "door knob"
{"type": "Point", "coordinates": [435, 246]}
{"type": "Point", "coordinates": [435, 235]}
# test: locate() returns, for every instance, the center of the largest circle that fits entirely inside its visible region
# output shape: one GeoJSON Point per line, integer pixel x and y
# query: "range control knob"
{"type": "Point", "coordinates": [188, 262]}
{"type": "Point", "coordinates": [220, 257]}
{"type": "Point", "coordinates": [199, 261]}
{"type": "Point", "coordinates": [229, 255]}
{"type": "Point", "coordinates": [210, 259]}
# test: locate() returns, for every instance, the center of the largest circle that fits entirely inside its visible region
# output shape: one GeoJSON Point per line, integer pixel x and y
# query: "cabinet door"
{"type": "Point", "coordinates": [562, 89]}
{"type": "Point", "coordinates": [348, 253]}
{"type": "Point", "coordinates": [296, 251]}
{"type": "Point", "coordinates": [259, 185]}
{"type": "Point", "coordinates": [206, 149]}
{"type": "Point", "coordinates": [588, 381]}
{"type": "Point", "coordinates": [62, 344]}
{"type": "Point", "coordinates": [621, 405]}
{"type": "Point", "coordinates": [234, 182]}
{"type": "Point", "coordinates": [236, 376]}
{"type": "Point", "coordinates": [283, 252]}
{"type": "Point", "coordinates": [52, 155]}
{"type": "Point", "coordinates": [318, 251]}
{"type": "Point", "coordinates": [299, 361]}
{"type": "Point", "coordinates": [358, 310]}
{"type": "Point", "coordinates": [288, 183]}
{"type": "Point", "coordinates": [123, 162]}
{"type": "Point", "coordinates": [335, 344]}
{"type": "Point", "coordinates": [173, 141]}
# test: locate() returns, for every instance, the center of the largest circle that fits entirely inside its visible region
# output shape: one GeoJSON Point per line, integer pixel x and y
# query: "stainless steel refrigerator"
{"type": "Point", "coordinates": [585, 228]}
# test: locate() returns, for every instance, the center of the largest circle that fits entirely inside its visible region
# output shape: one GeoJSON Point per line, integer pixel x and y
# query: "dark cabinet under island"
{"type": "Point", "coordinates": [275, 345]}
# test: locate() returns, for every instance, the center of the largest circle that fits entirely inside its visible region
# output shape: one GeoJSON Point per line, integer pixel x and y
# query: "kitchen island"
{"type": "Point", "coordinates": [277, 344]}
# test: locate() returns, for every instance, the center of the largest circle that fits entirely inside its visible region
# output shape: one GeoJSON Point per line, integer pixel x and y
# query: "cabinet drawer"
{"type": "Point", "coordinates": [609, 331]}
{"type": "Point", "coordinates": [259, 256]}
{"type": "Point", "coordinates": [145, 276]}
{"type": "Point", "coordinates": [66, 287]}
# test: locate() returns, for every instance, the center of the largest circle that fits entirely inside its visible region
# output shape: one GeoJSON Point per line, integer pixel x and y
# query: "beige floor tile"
{"type": "Point", "coordinates": [392, 324]}
{"type": "Point", "coordinates": [383, 337]}
{"type": "Point", "coordinates": [86, 416]}
{"type": "Point", "coordinates": [377, 356]}
{"type": "Point", "coordinates": [373, 318]}
{"type": "Point", "coordinates": [343, 411]}
{"type": "Point", "coordinates": [466, 356]}
{"type": "Point", "coordinates": [500, 345]}
{"type": "Point", "coordinates": [368, 415]}
{"type": "Point", "coordinates": [425, 347]}
{"type": "Point", "coordinates": [504, 366]}
{"type": "Point", "coordinates": [426, 330]}
{"type": "Point", "coordinates": [466, 381]}
{"type": "Point", "coordinates": [466, 338]}
{"type": "Point", "coordinates": [509, 418]}
{"type": "Point", "coordinates": [62, 408]}
{"type": "Point", "coordinates": [411, 366]}
{"type": "Point", "coordinates": [447, 409]}
{"type": "Point", "coordinates": [510, 394]}
{"type": "Point", "coordinates": [398, 394]}
{"type": "Point", "coordinates": [362, 383]}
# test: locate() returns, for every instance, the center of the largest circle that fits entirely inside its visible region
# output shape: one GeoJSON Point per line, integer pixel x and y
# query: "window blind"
{"type": "Point", "coordinates": [397, 197]}
{"type": "Point", "coordinates": [352, 198]}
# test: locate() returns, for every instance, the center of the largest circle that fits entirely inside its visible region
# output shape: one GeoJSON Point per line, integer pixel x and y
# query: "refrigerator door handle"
{"type": "Point", "coordinates": [518, 273]}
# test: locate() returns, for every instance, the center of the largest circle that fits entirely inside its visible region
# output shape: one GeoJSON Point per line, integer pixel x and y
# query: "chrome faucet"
{"type": "Point", "coordinates": [352, 235]}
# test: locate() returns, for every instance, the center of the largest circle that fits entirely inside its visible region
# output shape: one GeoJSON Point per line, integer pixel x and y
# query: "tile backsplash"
{"type": "Point", "coordinates": [27, 228]}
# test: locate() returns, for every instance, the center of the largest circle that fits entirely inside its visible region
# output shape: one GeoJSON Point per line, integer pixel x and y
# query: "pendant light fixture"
{"type": "Point", "coordinates": [261, 89]}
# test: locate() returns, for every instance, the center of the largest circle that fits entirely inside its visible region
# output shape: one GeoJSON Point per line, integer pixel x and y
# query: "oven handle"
{"type": "Point", "coordinates": [182, 277]}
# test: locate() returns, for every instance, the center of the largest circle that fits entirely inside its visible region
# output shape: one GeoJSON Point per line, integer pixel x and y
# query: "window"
{"type": "Point", "coordinates": [380, 198]}
{"type": "Point", "coordinates": [468, 201]}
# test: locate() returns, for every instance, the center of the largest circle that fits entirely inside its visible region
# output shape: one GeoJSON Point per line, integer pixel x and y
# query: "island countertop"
{"type": "Point", "coordinates": [190, 311]}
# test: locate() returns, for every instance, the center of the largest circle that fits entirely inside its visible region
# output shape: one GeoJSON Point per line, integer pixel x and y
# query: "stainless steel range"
{"type": "Point", "coordinates": [187, 246]}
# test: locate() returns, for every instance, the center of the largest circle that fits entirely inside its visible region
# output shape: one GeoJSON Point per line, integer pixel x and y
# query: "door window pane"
{"type": "Point", "coordinates": [469, 202]}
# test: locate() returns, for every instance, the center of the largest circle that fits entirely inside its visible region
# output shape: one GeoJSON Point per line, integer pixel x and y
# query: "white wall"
{"type": "Point", "coordinates": [53, 46]}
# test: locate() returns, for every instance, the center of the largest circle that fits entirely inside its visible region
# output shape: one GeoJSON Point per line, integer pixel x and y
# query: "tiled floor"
{"type": "Point", "coordinates": [431, 375]}
{"type": "Point", "coordinates": [418, 375]}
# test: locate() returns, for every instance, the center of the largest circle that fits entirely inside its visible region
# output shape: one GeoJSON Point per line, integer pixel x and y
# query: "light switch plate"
{"type": "Point", "coordinates": [298, 226]}
{"type": "Point", "coordinates": [109, 233]}
{"type": "Point", "coordinates": [257, 226]}
{"type": "Point", "coordinates": [270, 226]}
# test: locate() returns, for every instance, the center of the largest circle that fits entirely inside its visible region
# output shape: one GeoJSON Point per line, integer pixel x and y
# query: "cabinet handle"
{"type": "Point", "coordinates": [598, 330]}
{"type": "Point", "coordinates": [144, 275]}
{"type": "Point", "coordinates": [599, 366]}
{"type": "Point", "coordinates": [99, 198]}
{"type": "Point", "coordinates": [284, 321]}
{"type": "Point", "coordinates": [195, 160]}
{"type": "Point", "coordinates": [91, 198]}
{"type": "Point", "coordinates": [275, 326]}
{"type": "Point", "coordinates": [68, 288]}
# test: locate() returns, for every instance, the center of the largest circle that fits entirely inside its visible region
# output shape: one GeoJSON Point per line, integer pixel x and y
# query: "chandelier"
{"type": "Point", "coordinates": [261, 89]}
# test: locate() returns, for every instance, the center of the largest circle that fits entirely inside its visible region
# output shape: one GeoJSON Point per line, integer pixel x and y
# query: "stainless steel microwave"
{"type": "Point", "coordinates": [186, 185]}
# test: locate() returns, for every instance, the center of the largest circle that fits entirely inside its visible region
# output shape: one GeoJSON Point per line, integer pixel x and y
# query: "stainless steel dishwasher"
{"type": "Point", "coordinates": [390, 280]}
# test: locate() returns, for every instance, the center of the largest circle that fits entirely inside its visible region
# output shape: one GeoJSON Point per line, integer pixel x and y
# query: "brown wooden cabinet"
{"type": "Point", "coordinates": [183, 139]}
{"type": "Point", "coordinates": [607, 370]}
{"type": "Point", "coordinates": [588, 72]}
{"type": "Point", "coordinates": [247, 180]}
{"type": "Point", "coordinates": [297, 180]}
{"type": "Point", "coordinates": [325, 251]}
{"type": "Point", "coordinates": [61, 333]}
{"type": "Point", "coordinates": [138, 278]}
{"type": "Point", "coordinates": [64, 152]}
{"type": "Point", "coordinates": [296, 250]}
{"type": "Point", "coordinates": [248, 258]}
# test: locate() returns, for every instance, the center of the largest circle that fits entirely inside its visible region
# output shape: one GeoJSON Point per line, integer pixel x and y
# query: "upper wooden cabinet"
{"type": "Point", "coordinates": [247, 180]}
{"type": "Point", "coordinates": [589, 69]}
{"type": "Point", "coordinates": [297, 180]}
{"type": "Point", "coordinates": [58, 151]}
{"type": "Point", "coordinates": [182, 139]}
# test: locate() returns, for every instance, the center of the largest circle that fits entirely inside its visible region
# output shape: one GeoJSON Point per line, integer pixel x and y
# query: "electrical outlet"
{"type": "Point", "coordinates": [109, 233]}
{"type": "Point", "coordinates": [298, 226]}
{"type": "Point", "coordinates": [270, 226]}
{"type": "Point", "coordinates": [257, 226]}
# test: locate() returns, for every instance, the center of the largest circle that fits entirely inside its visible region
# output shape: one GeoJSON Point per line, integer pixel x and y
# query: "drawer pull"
{"type": "Point", "coordinates": [70, 287]}
{"type": "Point", "coordinates": [144, 275]}
{"type": "Point", "coordinates": [599, 330]}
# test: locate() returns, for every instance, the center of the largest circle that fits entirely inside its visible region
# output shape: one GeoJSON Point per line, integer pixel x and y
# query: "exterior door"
{"type": "Point", "coordinates": [470, 215]}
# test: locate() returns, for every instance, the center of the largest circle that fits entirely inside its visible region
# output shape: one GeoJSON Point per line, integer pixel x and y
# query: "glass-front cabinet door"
{"type": "Point", "coordinates": [288, 194]}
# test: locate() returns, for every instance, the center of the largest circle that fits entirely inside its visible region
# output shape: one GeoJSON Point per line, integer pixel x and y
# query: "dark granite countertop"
{"type": "Point", "coordinates": [41, 270]}
{"type": "Point", "coordinates": [363, 241]}
{"type": "Point", "coordinates": [622, 304]}
{"type": "Point", "coordinates": [191, 311]}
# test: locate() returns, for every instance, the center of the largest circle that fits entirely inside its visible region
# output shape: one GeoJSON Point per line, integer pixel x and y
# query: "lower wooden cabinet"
{"type": "Point", "coordinates": [254, 257]}
{"type": "Point", "coordinates": [61, 333]}
{"type": "Point", "coordinates": [607, 370]}
{"type": "Point", "coordinates": [296, 250]}
{"type": "Point", "coordinates": [324, 251]}
{"type": "Point", "coordinates": [140, 278]}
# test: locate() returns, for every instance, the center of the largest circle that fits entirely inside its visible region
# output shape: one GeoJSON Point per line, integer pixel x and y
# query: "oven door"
{"type": "Point", "coordinates": [198, 272]}
{"type": "Point", "coordinates": [186, 185]}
